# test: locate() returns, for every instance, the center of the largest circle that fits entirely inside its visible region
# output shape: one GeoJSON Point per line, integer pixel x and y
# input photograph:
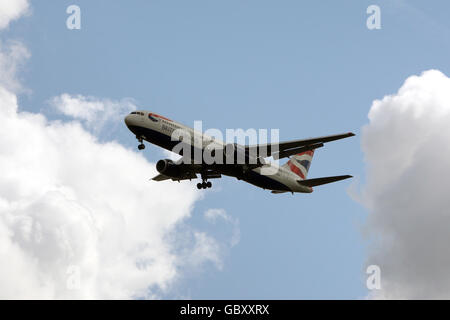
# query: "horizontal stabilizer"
{"type": "Point", "coordinates": [320, 181]}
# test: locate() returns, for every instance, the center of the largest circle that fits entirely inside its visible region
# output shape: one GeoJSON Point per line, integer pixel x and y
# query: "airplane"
{"type": "Point", "coordinates": [290, 177]}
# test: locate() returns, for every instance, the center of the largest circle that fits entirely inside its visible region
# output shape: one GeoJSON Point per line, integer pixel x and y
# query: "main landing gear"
{"type": "Point", "coordinates": [141, 146]}
{"type": "Point", "coordinates": [205, 184]}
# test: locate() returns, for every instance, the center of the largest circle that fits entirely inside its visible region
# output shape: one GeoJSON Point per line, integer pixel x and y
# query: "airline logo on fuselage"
{"type": "Point", "coordinates": [156, 117]}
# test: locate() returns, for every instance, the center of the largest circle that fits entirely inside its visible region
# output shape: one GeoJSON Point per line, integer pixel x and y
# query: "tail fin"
{"type": "Point", "coordinates": [300, 163]}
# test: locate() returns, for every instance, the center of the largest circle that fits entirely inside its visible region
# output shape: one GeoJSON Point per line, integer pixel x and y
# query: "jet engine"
{"type": "Point", "coordinates": [168, 168]}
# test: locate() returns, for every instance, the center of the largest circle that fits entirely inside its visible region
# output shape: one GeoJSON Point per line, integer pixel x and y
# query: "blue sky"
{"type": "Point", "coordinates": [307, 68]}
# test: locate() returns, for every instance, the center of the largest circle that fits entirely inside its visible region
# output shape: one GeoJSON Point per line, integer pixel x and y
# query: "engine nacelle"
{"type": "Point", "coordinates": [168, 168]}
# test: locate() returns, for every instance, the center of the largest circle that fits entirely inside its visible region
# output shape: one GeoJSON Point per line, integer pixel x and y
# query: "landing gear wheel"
{"type": "Point", "coordinates": [204, 184]}
{"type": "Point", "coordinates": [141, 145]}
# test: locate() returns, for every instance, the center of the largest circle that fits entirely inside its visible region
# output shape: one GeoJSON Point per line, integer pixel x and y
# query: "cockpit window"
{"type": "Point", "coordinates": [138, 113]}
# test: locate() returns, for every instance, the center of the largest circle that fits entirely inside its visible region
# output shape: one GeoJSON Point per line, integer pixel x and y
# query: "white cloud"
{"type": "Point", "coordinates": [12, 56]}
{"type": "Point", "coordinates": [95, 113]}
{"type": "Point", "coordinates": [407, 151]}
{"type": "Point", "coordinates": [74, 208]}
{"type": "Point", "coordinates": [213, 215]}
{"type": "Point", "coordinates": [12, 10]}
{"type": "Point", "coordinates": [206, 248]}
{"type": "Point", "coordinates": [68, 200]}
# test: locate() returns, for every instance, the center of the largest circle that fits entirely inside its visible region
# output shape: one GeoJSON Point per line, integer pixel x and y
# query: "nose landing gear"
{"type": "Point", "coordinates": [141, 146]}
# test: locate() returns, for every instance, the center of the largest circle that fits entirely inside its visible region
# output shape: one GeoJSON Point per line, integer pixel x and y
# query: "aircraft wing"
{"type": "Point", "coordinates": [288, 148]}
{"type": "Point", "coordinates": [161, 177]}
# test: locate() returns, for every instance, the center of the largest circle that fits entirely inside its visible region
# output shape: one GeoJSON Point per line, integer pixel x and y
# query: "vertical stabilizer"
{"type": "Point", "coordinates": [300, 163]}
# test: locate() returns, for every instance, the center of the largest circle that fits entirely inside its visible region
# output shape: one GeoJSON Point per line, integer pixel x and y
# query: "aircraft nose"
{"type": "Point", "coordinates": [128, 120]}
